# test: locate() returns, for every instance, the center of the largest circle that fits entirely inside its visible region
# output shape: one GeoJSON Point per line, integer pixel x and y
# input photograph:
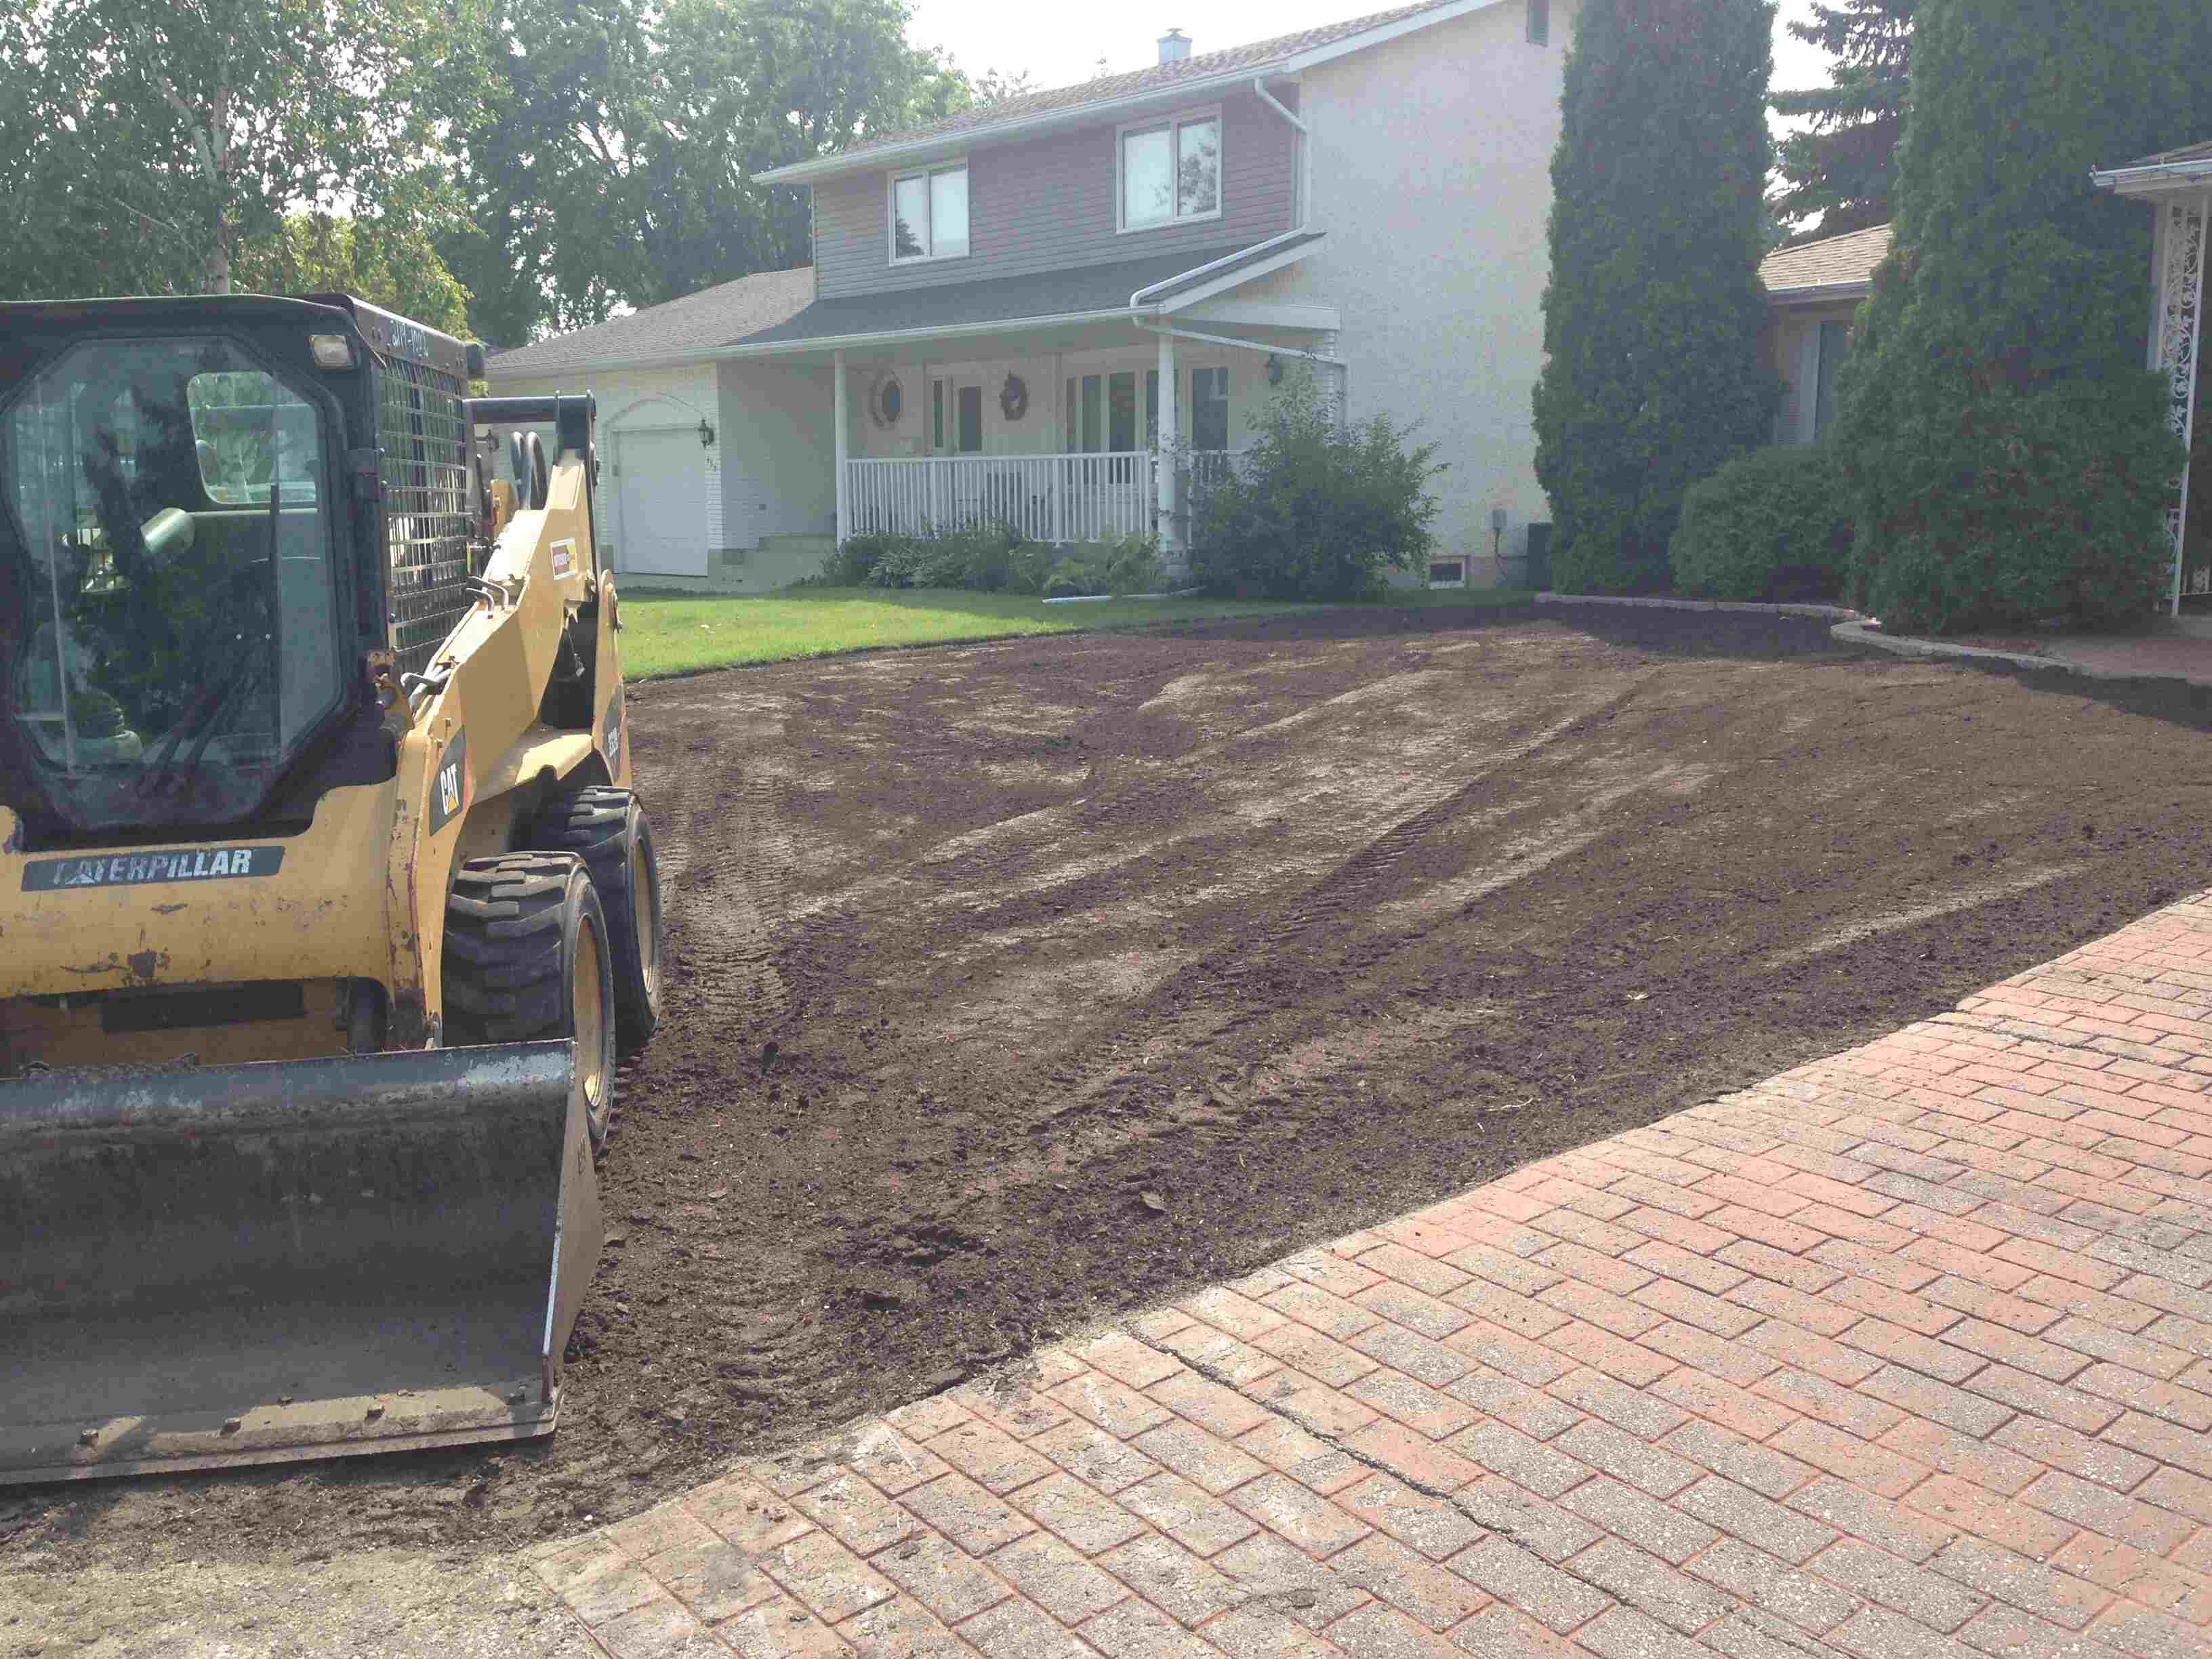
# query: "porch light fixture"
{"type": "Point", "coordinates": [706, 432]}
{"type": "Point", "coordinates": [1274, 370]}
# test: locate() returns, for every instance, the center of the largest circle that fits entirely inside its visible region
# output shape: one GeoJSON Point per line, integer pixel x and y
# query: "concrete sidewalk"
{"type": "Point", "coordinates": [2175, 649]}
{"type": "Point", "coordinates": [1907, 1353]}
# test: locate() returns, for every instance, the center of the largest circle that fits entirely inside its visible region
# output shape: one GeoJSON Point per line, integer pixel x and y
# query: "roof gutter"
{"type": "Point", "coordinates": [863, 160]}
{"type": "Point", "coordinates": [815, 343]}
{"type": "Point", "coordinates": [2139, 181]}
{"type": "Point", "coordinates": [1818, 294]}
{"type": "Point", "coordinates": [1137, 300]}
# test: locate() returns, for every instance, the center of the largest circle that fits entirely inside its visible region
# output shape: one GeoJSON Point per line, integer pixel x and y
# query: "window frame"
{"type": "Point", "coordinates": [928, 170]}
{"type": "Point", "coordinates": [1539, 30]}
{"type": "Point", "coordinates": [1174, 122]}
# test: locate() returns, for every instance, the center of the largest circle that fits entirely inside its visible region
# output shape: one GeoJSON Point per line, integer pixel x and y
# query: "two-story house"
{"type": "Point", "coordinates": [1019, 310]}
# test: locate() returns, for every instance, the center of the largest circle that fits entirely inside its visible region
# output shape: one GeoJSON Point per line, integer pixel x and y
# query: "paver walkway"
{"type": "Point", "coordinates": [1906, 1352]}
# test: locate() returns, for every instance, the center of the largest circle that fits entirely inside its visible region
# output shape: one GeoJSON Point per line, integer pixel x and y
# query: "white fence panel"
{"type": "Point", "coordinates": [1047, 498]}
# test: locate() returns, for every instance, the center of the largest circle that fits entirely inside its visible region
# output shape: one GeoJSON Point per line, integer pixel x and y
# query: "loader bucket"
{"type": "Point", "coordinates": [205, 1266]}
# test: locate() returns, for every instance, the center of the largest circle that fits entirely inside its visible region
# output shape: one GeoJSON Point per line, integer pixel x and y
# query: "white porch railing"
{"type": "Point", "coordinates": [1047, 498]}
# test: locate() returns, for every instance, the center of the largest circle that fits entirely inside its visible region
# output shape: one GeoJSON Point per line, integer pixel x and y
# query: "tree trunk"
{"type": "Point", "coordinates": [218, 269]}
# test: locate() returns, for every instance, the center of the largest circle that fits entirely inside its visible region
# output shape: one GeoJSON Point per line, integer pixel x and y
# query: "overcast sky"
{"type": "Point", "coordinates": [1059, 43]}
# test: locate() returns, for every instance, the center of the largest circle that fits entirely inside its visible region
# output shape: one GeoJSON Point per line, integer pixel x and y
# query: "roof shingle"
{"type": "Point", "coordinates": [1831, 262]}
{"type": "Point", "coordinates": [2171, 157]}
{"type": "Point", "coordinates": [1107, 87]}
{"type": "Point", "coordinates": [712, 316]}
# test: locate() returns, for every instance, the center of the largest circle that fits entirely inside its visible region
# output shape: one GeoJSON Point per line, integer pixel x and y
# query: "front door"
{"type": "Point", "coordinates": [955, 416]}
{"type": "Point", "coordinates": [660, 479]}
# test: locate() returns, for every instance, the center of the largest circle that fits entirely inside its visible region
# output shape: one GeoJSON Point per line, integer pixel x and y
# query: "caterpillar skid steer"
{"type": "Point", "coordinates": [325, 903]}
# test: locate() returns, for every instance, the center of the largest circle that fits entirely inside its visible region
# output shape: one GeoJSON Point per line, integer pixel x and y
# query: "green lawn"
{"type": "Point", "coordinates": [667, 634]}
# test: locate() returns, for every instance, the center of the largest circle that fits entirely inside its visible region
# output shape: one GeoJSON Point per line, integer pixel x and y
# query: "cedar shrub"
{"type": "Point", "coordinates": [1653, 317]}
{"type": "Point", "coordinates": [1770, 524]}
{"type": "Point", "coordinates": [2004, 450]}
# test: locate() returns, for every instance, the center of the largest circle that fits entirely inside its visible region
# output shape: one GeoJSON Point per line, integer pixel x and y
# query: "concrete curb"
{"type": "Point", "coordinates": [1820, 613]}
{"type": "Point", "coordinates": [1867, 634]}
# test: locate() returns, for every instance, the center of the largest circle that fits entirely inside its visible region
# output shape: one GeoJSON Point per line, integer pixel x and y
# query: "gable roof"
{"type": "Point", "coordinates": [716, 323]}
{"type": "Point", "coordinates": [712, 316]}
{"type": "Point", "coordinates": [1283, 53]}
{"type": "Point", "coordinates": [1065, 296]}
{"type": "Point", "coordinates": [1839, 265]}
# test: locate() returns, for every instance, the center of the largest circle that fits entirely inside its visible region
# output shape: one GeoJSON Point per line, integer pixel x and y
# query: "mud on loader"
{"type": "Point", "coordinates": [325, 903]}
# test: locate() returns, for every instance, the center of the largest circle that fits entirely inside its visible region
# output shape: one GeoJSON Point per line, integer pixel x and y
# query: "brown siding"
{"type": "Point", "coordinates": [1049, 204]}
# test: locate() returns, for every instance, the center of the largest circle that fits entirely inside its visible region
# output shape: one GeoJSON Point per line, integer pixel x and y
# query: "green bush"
{"type": "Point", "coordinates": [1770, 524]}
{"type": "Point", "coordinates": [2007, 457]}
{"type": "Point", "coordinates": [1654, 316]}
{"type": "Point", "coordinates": [1131, 565]}
{"type": "Point", "coordinates": [990, 558]}
{"type": "Point", "coordinates": [1316, 508]}
{"type": "Point", "coordinates": [854, 564]}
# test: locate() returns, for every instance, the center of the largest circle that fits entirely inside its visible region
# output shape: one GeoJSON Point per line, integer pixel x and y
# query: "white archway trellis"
{"type": "Point", "coordinates": [2176, 341]}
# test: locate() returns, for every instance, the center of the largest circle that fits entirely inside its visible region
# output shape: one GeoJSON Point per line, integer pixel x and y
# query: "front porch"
{"type": "Point", "coordinates": [1066, 445]}
{"type": "Point", "coordinates": [1060, 498]}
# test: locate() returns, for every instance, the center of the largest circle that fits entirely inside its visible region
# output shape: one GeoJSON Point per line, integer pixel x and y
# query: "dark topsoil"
{"type": "Point", "coordinates": [1292, 925]}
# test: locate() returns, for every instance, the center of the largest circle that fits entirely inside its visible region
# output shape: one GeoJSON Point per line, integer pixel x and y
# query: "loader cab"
{"type": "Point", "coordinates": [193, 567]}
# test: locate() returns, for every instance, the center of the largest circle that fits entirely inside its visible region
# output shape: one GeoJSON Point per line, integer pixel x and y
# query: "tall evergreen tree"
{"type": "Point", "coordinates": [1838, 172]}
{"type": "Point", "coordinates": [1654, 314]}
{"type": "Point", "coordinates": [2008, 454]}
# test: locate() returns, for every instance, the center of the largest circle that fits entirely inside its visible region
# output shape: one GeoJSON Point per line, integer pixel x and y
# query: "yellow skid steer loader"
{"type": "Point", "coordinates": [325, 903]}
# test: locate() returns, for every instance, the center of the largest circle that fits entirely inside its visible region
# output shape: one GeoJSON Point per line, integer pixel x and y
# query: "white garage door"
{"type": "Point", "coordinates": [661, 528]}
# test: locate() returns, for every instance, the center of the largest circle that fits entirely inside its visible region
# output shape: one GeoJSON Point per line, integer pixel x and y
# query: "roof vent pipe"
{"type": "Point", "coordinates": [1175, 46]}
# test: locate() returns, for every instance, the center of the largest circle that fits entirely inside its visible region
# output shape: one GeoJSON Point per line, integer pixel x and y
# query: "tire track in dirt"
{"type": "Point", "coordinates": [1201, 1002]}
{"type": "Point", "coordinates": [725, 911]}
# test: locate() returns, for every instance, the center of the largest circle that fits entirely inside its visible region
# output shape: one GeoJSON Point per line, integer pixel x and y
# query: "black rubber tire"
{"type": "Point", "coordinates": [602, 825]}
{"type": "Point", "coordinates": [513, 926]}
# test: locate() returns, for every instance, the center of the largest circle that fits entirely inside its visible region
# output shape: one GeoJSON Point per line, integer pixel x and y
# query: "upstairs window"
{"type": "Point", "coordinates": [929, 214]}
{"type": "Point", "coordinates": [1540, 22]}
{"type": "Point", "coordinates": [1171, 171]}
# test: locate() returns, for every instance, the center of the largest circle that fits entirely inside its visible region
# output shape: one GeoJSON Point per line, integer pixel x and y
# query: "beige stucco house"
{"type": "Point", "coordinates": [1018, 311]}
{"type": "Point", "coordinates": [1813, 290]}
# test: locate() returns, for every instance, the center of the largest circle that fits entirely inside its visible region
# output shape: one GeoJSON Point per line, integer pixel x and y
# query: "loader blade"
{"type": "Point", "coordinates": [247, 1264]}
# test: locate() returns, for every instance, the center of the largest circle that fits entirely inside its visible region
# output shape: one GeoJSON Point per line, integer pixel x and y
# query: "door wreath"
{"type": "Point", "coordinates": [1014, 398]}
{"type": "Point", "coordinates": [887, 401]}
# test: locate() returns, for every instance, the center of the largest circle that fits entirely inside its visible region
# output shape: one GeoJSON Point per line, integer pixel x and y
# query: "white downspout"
{"type": "Point", "coordinates": [1305, 148]}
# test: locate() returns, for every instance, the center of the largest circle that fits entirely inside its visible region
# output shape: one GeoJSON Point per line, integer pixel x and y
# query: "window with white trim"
{"type": "Point", "coordinates": [929, 214]}
{"type": "Point", "coordinates": [1171, 171]}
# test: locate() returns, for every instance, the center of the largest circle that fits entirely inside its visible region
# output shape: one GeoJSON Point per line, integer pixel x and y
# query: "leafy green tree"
{"type": "Point", "coordinates": [614, 165]}
{"type": "Point", "coordinates": [1653, 319]}
{"type": "Point", "coordinates": [1837, 172]}
{"type": "Point", "coordinates": [159, 138]}
{"type": "Point", "coordinates": [2007, 453]}
{"type": "Point", "coordinates": [392, 265]}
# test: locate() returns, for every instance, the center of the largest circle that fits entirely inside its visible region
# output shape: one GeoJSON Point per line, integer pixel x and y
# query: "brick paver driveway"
{"type": "Point", "coordinates": [1906, 1352]}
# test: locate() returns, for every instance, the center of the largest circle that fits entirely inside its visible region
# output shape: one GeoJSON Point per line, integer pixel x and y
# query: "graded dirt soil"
{"type": "Point", "coordinates": [1016, 985]}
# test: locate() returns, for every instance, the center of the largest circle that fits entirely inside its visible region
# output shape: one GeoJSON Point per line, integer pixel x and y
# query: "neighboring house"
{"type": "Point", "coordinates": [1014, 311]}
{"type": "Point", "coordinates": [1812, 292]}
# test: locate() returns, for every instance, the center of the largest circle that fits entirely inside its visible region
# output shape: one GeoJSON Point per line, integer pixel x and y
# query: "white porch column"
{"type": "Point", "coordinates": [2177, 338]}
{"type": "Point", "coordinates": [1167, 440]}
{"type": "Point", "coordinates": [844, 425]}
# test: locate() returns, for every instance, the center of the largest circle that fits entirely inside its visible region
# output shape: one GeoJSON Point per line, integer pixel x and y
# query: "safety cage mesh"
{"type": "Point", "coordinates": [422, 429]}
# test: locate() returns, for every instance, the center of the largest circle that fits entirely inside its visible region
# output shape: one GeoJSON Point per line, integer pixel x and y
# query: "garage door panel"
{"type": "Point", "coordinates": [660, 491]}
